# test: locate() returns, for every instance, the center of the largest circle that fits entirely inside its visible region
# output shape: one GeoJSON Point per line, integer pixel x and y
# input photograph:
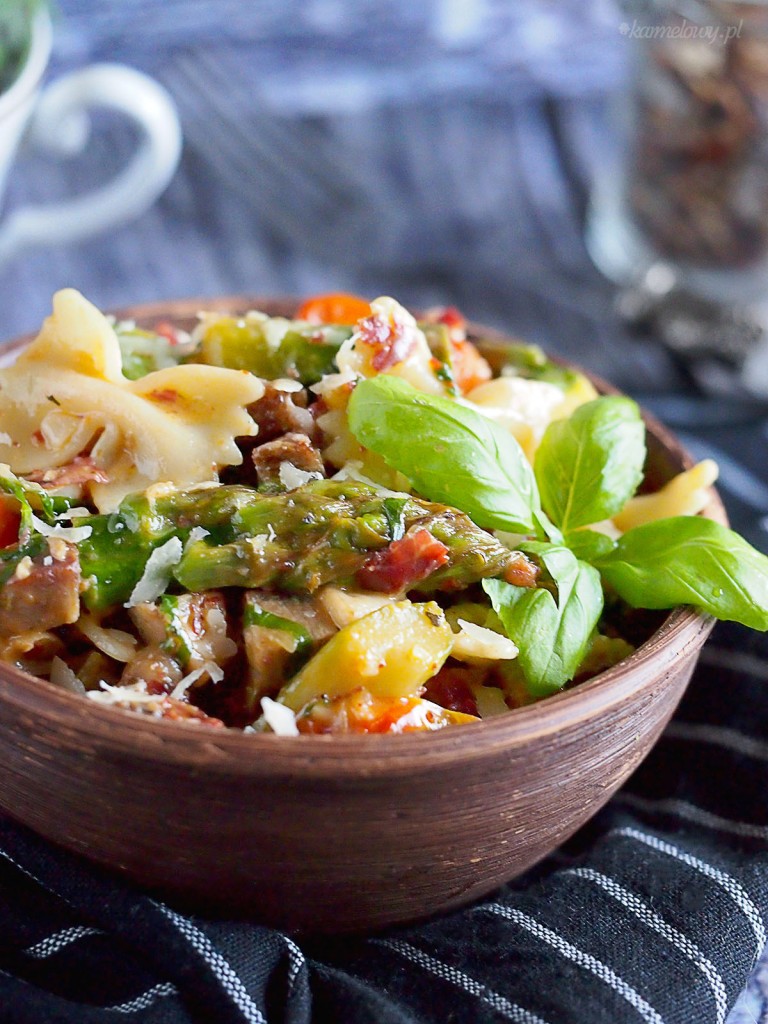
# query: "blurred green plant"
{"type": "Point", "coordinates": [16, 18]}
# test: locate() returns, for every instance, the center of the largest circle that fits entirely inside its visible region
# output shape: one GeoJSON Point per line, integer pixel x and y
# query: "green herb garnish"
{"type": "Point", "coordinates": [586, 469]}
{"type": "Point", "coordinates": [449, 453]}
{"type": "Point", "coordinates": [690, 560]}
{"type": "Point", "coordinates": [589, 465]}
{"type": "Point", "coordinates": [551, 633]}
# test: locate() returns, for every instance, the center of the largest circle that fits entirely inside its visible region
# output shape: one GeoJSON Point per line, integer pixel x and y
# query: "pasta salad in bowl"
{"type": "Point", "coordinates": [343, 521]}
{"type": "Point", "coordinates": [233, 545]}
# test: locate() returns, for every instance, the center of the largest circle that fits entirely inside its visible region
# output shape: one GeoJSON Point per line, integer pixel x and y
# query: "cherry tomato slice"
{"type": "Point", "coordinates": [334, 308]}
{"type": "Point", "coordinates": [10, 519]}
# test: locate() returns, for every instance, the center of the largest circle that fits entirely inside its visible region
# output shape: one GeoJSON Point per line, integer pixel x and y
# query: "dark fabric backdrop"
{"type": "Point", "coordinates": [441, 153]}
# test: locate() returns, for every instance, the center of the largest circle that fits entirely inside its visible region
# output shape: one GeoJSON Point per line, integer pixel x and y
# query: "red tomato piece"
{"type": "Point", "coordinates": [334, 308]}
{"type": "Point", "coordinates": [390, 343]}
{"type": "Point", "coordinates": [451, 689]}
{"type": "Point", "coordinates": [404, 563]}
{"type": "Point", "coordinates": [10, 520]}
{"type": "Point", "coordinates": [451, 317]}
{"type": "Point", "coordinates": [167, 330]}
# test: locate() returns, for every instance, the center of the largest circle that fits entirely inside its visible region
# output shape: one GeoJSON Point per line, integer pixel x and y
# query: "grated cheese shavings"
{"type": "Point", "coordinates": [279, 718]}
{"type": "Point", "coordinates": [72, 513]}
{"type": "Point", "coordinates": [73, 534]}
{"type": "Point", "coordinates": [209, 668]}
{"type": "Point", "coordinates": [136, 694]}
{"type": "Point", "coordinates": [291, 477]}
{"type": "Point", "coordinates": [157, 573]}
{"type": "Point", "coordinates": [23, 569]}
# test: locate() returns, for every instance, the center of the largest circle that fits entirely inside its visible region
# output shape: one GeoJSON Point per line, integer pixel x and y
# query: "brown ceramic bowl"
{"type": "Point", "coordinates": [337, 834]}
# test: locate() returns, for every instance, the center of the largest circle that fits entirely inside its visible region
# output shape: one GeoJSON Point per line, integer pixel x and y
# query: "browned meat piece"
{"type": "Point", "coordinates": [156, 668]}
{"type": "Point", "coordinates": [43, 593]}
{"type": "Point", "coordinates": [162, 705]}
{"type": "Point", "coordinates": [191, 627]}
{"type": "Point", "coordinates": [276, 413]}
{"type": "Point", "coordinates": [81, 470]}
{"type": "Point", "coordinates": [281, 412]}
{"type": "Point", "coordinates": [181, 711]}
{"type": "Point", "coordinates": [296, 449]}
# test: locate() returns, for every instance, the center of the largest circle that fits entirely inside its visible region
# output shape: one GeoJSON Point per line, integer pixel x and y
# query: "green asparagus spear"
{"type": "Point", "coordinates": [295, 542]}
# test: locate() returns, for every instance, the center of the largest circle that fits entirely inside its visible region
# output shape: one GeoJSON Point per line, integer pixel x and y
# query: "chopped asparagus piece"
{"type": "Point", "coordinates": [303, 352]}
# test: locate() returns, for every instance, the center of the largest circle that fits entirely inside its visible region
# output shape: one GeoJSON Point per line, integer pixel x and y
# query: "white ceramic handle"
{"type": "Point", "coordinates": [61, 124]}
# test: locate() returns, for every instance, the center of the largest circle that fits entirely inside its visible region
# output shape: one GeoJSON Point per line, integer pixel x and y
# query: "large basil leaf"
{"type": "Point", "coordinates": [694, 561]}
{"type": "Point", "coordinates": [552, 635]}
{"type": "Point", "coordinates": [589, 545]}
{"type": "Point", "coordinates": [589, 465]}
{"type": "Point", "coordinates": [449, 453]}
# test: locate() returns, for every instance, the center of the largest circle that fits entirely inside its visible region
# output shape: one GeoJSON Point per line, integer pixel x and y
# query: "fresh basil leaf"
{"type": "Point", "coordinates": [589, 465]}
{"type": "Point", "coordinates": [545, 528]}
{"type": "Point", "coordinates": [589, 545]}
{"type": "Point", "coordinates": [694, 561]}
{"type": "Point", "coordinates": [449, 453]}
{"type": "Point", "coordinates": [552, 635]}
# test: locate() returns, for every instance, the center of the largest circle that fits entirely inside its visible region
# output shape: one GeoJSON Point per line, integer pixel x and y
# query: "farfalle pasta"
{"type": "Point", "coordinates": [67, 395]}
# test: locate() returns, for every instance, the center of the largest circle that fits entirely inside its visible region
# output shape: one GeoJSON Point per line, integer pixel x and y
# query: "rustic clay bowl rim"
{"type": "Point", "coordinates": [346, 756]}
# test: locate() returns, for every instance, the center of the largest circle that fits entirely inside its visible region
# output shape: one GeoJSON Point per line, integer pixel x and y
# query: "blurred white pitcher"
{"type": "Point", "coordinates": [57, 119]}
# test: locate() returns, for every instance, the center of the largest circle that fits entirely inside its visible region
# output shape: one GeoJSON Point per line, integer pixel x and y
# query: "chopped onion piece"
{"type": "Point", "coordinates": [157, 573]}
{"type": "Point", "coordinates": [74, 534]}
{"type": "Point", "coordinates": [63, 677]}
{"type": "Point", "coordinates": [473, 641]}
{"type": "Point", "coordinates": [115, 643]}
{"type": "Point", "coordinates": [279, 718]}
{"type": "Point", "coordinates": [489, 700]}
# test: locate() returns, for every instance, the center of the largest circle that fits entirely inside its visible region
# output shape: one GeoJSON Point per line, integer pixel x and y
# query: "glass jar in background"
{"type": "Point", "coordinates": [689, 187]}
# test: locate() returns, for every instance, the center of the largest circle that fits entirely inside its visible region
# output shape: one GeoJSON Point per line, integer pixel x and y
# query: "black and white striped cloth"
{"type": "Point", "coordinates": [655, 913]}
{"type": "Point", "coordinates": [450, 162]}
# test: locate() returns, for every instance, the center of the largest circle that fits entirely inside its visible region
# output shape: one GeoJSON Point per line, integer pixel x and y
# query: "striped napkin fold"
{"type": "Point", "coordinates": [654, 912]}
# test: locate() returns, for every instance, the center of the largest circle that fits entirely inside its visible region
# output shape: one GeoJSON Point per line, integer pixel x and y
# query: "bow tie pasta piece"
{"type": "Point", "coordinates": [77, 337]}
{"type": "Point", "coordinates": [67, 393]}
